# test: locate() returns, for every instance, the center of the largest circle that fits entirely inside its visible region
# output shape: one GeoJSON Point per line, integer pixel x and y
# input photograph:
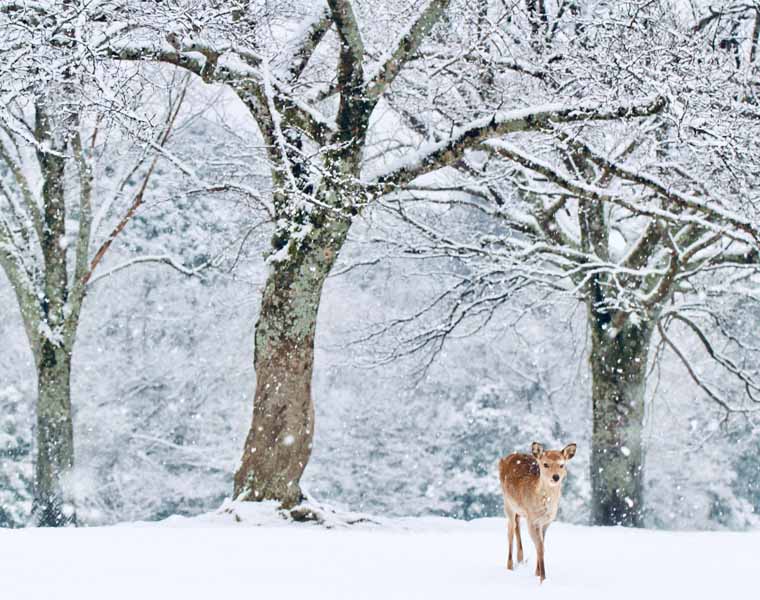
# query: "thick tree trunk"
{"type": "Point", "coordinates": [53, 504]}
{"type": "Point", "coordinates": [618, 366]}
{"type": "Point", "coordinates": [278, 445]}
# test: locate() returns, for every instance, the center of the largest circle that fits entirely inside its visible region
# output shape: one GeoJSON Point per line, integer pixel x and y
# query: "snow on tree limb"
{"type": "Point", "coordinates": [407, 46]}
{"type": "Point", "coordinates": [707, 217]}
{"type": "Point", "coordinates": [433, 156]}
{"type": "Point", "coordinates": [308, 42]}
{"type": "Point", "coordinates": [167, 260]}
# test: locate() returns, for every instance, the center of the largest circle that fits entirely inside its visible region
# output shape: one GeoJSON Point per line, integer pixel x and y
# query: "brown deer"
{"type": "Point", "coordinates": [532, 486]}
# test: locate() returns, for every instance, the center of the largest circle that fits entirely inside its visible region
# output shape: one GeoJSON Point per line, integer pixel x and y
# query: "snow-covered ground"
{"type": "Point", "coordinates": [256, 554]}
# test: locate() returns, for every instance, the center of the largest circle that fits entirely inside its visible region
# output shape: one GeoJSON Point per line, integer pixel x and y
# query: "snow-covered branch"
{"type": "Point", "coordinates": [407, 46]}
{"type": "Point", "coordinates": [150, 259]}
{"type": "Point", "coordinates": [434, 156]}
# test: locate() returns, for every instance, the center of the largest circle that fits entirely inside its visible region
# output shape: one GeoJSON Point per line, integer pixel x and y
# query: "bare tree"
{"type": "Point", "coordinates": [315, 97]}
{"type": "Point", "coordinates": [60, 212]}
{"type": "Point", "coordinates": [640, 220]}
{"type": "Point", "coordinates": [329, 98]}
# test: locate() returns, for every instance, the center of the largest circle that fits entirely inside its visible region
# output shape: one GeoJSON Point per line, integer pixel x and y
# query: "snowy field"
{"type": "Point", "coordinates": [258, 555]}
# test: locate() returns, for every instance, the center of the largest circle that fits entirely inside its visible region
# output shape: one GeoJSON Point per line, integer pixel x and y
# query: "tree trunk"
{"type": "Point", "coordinates": [618, 366]}
{"type": "Point", "coordinates": [53, 505]}
{"type": "Point", "coordinates": [278, 445]}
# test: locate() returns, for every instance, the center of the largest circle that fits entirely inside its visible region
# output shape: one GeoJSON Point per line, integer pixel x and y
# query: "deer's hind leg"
{"type": "Point", "coordinates": [520, 557]}
{"type": "Point", "coordinates": [510, 534]}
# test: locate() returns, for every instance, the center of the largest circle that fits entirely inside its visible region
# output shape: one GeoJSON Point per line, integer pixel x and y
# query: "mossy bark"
{"type": "Point", "coordinates": [279, 442]}
{"type": "Point", "coordinates": [53, 505]}
{"type": "Point", "coordinates": [618, 367]}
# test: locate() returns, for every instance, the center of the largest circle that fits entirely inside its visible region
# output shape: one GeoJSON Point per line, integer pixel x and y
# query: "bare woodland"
{"type": "Point", "coordinates": [522, 154]}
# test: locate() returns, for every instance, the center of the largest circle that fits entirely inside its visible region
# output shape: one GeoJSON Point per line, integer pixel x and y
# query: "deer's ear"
{"type": "Point", "coordinates": [569, 451]}
{"type": "Point", "coordinates": [536, 449]}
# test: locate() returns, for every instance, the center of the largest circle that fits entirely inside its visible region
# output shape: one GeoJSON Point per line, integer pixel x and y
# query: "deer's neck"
{"type": "Point", "coordinates": [547, 496]}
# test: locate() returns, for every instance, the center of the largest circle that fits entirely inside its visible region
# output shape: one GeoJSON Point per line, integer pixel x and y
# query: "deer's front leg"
{"type": "Point", "coordinates": [536, 534]}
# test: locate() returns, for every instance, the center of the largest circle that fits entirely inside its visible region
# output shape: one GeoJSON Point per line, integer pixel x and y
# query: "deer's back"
{"type": "Point", "coordinates": [518, 474]}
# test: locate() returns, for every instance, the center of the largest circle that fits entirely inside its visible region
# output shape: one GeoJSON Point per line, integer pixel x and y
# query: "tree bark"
{"type": "Point", "coordinates": [279, 442]}
{"type": "Point", "coordinates": [53, 505]}
{"type": "Point", "coordinates": [618, 367]}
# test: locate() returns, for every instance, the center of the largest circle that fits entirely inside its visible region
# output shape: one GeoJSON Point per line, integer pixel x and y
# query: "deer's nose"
{"type": "Point", "coordinates": [555, 477]}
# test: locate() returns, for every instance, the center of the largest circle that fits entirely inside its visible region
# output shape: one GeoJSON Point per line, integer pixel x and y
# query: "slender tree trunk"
{"type": "Point", "coordinates": [278, 445]}
{"type": "Point", "coordinates": [53, 504]}
{"type": "Point", "coordinates": [618, 366]}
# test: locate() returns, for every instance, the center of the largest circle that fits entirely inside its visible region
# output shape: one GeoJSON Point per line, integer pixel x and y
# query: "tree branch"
{"type": "Point", "coordinates": [353, 111]}
{"type": "Point", "coordinates": [750, 386]}
{"type": "Point", "coordinates": [695, 378]}
{"type": "Point", "coordinates": [434, 156]}
{"type": "Point", "coordinates": [406, 47]}
{"type": "Point", "coordinates": [679, 199]}
{"type": "Point", "coordinates": [165, 260]}
{"type": "Point", "coordinates": [139, 197]}
{"type": "Point", "coordinates": [23, 185]}
{"type": "Point", "coordinates": [583, 190]}
{"type": "Point", "coordinates": [352, 46]}
{"type": "Point", "coordinates": [309, 43]}
{"type": "Point", "coordinates": [83, 236]}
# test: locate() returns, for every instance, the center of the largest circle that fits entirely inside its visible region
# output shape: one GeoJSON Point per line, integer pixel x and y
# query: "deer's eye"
{"type": "Point", "coordinates": [546, 465]}
{"type": "Point", "coordinates": [562, 466]}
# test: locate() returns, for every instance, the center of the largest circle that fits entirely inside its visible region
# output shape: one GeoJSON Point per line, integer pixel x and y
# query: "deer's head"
{"type": "Point", "coordinates": [552, 463]}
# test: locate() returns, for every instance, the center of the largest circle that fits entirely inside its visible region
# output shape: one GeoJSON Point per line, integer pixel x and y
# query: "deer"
{"type": "Point", "coordinates": [532, 486]}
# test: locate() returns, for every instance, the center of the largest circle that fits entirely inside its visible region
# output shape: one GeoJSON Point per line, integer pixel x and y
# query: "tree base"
{"type": "Point", "coordinates": [53, 514]}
